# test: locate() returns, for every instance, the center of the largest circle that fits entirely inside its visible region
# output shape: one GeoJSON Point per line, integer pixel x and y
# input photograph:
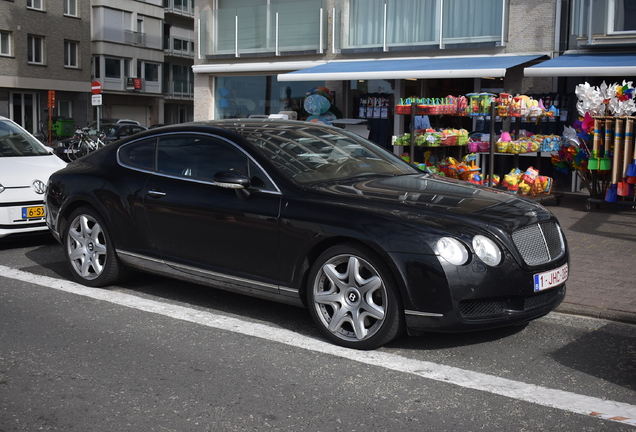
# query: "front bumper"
{"type": "Point", "coordinates": [12, 222]}
{"type": "Point", "coordinates": [446, 298]}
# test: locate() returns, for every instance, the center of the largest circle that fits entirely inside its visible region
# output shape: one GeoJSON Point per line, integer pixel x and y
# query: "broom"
{"type": "Point", "coordinates": [611, 195]}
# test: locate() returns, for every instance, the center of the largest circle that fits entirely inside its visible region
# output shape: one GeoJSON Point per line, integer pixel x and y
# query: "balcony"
{"type": "Point", "coordinates": [602, 23]}
{"type": "Point", "coordinates": [178, 90]}
{"type": "Point", "coordinates": [296, 27]}
{"type": "Point", "coordinates": [177, 47]}
{"type": "Point", "coordinates": [135, 38]}
{"type": "Point", "coordinates": [179, 7]}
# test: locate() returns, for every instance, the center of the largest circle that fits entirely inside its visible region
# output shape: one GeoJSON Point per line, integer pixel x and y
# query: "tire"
{"type": "Point", "coordinates": [89, 249]}
{"type": "Point", "coordinates": [353, 299]}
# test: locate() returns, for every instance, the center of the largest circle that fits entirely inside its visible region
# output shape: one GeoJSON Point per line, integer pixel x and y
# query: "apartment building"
{"type": "Point", "coordinates": [260, 57]}
{"type": "Point", "coordinates": [141, 52]}
{"type": "Point", "coordinates": [179, 52]}
{"type": "Point", "coordinates": [44, 46]}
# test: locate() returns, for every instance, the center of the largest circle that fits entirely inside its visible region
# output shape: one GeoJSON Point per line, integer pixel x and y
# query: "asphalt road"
{"type": "Point", "coordinates": [154, 354]}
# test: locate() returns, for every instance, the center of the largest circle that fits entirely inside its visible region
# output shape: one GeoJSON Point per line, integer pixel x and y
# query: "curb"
{"type": "Point", "coordinates": [597, 312]}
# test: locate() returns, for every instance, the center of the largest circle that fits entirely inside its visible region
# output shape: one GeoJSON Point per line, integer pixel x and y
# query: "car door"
{"type": "Point", "coordinates": [206, 229]}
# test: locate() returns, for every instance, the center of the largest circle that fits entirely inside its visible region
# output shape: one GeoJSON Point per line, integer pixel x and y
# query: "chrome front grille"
{"type": "Point", "coordinates": [539, 243]}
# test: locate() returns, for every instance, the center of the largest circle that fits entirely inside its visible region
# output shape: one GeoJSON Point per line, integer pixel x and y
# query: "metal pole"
{"type": "Point", "coordinates": [491, 159]}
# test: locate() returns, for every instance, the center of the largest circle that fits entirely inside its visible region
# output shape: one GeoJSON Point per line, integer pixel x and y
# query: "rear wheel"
{"type": "Point", "coordinates": [353, 299]}
{"type": "Point", "coordinates": [89, 249]}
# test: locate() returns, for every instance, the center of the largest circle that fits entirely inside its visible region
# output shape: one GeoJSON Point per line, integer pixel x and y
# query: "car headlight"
{"type": "Point", "coordinates": [487, 250]}
{"type": "Point", "coordinates": [452, 250]}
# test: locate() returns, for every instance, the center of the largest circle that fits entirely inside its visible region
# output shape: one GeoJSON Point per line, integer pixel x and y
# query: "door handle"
{"type": "Point", "coordinates": [156, 193]}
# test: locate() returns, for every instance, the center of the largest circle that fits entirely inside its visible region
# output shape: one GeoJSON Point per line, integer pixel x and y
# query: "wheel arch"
{"type": "Point", "coordinates": [313, 254]}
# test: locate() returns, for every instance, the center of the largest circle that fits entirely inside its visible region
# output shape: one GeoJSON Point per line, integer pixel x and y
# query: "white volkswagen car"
{"type": "Point", "coordinates": [25, 167]}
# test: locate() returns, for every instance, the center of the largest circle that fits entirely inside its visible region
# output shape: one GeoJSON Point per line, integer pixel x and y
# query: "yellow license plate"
{"type": "Point", "coordinates": [36, 212]}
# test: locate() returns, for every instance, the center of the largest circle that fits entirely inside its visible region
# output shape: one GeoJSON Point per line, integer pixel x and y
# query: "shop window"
{"type": "Point", "coordinates": [5, 43]}
{"type": "Point", "coordinates": [70, 54]}
{"type": "Point", "coordinates": [244, 96]}
{"type": "Point", "coordinates": [35, 49]}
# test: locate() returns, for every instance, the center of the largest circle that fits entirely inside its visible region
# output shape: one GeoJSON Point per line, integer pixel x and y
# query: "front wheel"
{"type": "Point", "coordinates": [89, 249]}
{"type": "Point", "coordinates": [353, 299]}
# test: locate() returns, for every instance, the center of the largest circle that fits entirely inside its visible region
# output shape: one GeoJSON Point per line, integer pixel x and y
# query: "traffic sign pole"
{"type": "Point", "coordinates": [96, 89]}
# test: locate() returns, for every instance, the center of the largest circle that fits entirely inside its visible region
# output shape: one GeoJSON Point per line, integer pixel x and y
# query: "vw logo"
{"type": "Point", "coordinates": [38, 186]}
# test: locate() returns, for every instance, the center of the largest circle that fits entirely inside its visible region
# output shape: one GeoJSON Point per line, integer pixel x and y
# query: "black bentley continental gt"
{"type": "Point", "coordinates": [310, 215]}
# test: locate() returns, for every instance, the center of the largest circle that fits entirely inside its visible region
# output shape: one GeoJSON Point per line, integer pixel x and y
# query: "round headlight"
{"type": "Point", "coordinates": [452, 250]}
{"type": "Point", "coordinates": [487, 250]}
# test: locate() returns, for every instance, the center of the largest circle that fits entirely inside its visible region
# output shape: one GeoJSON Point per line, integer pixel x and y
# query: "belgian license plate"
{"type": "Point", "coordinates": [36, 212]}
{"type": "Point", "coordinates": [550, 278]}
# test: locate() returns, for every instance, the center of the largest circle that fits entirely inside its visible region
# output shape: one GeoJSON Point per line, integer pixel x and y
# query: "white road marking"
{"type": "Point", "coordinates": [567, 401]}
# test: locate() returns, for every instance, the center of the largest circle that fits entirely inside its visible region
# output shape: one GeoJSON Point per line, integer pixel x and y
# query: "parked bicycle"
{"type": "Point", "coordinates": [83, 143]}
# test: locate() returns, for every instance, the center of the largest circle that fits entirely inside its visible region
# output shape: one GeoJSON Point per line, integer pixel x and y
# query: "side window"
{"type": "Point", "coordinates": [201, 157]}
{"type": "Point", "coordinates": [140, 154]}
{"type": "Point", "coordinates": [259, 179]}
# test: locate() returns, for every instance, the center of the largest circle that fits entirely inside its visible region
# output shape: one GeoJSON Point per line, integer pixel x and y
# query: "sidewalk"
{"type": "Point", "coordinates": [602, 243]}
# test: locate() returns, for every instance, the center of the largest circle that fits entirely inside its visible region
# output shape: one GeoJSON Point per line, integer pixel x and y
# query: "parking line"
{"type": "Point", "coordinates": [563, 400]}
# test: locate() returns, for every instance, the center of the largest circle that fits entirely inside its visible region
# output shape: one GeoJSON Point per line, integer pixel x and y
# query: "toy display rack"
{"type": "Point", "coordinates": [612, 163]}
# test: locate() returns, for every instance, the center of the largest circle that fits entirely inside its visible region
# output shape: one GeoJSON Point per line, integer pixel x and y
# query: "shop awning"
{"type": "Point", "coordinates": [430, 67]}
{"type": "Point", "coordinates": [582, 65]}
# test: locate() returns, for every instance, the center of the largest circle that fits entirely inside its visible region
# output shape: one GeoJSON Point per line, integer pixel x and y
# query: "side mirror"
{"type": "Point", "coordinates": [233, 179]}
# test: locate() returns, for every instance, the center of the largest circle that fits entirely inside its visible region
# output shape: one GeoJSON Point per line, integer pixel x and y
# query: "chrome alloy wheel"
{"type": "Point", "coordinates": [350, 298]}
{"type": "Point", "coordinates": [86, 247]}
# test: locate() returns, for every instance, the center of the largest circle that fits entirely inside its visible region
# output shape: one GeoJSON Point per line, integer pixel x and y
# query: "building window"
{"type": "Point", "coordinates": [151, 72]}
{"type": "Point", "coordinates": [256, 26]}
{"type": "Point", "coordinates": [70, 54]}
{"type": "Point", "coordinates": [112, 68]}
{"type": "Point", "coordinates": [35, 4]}
{"type": "Point", "coordinates": [622, 16]}
{"type": "Point", "coordinates": [394, 23]}
{"type": "Point", "coordinates": [35, 49]}
{"type": "Point", "coordinates": [70, 7]}
{"type": "Point", "coordinates": [5, 43]}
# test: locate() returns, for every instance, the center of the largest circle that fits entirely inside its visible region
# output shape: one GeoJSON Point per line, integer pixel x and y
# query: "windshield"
{"type": "Point", "coordinates": [15, 141]}
{"type": "Point", "coordinates": [313, 153]}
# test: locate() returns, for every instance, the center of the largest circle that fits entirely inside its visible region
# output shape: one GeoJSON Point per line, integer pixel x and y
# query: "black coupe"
{"type": "Point", "coordinates": [311, 215]}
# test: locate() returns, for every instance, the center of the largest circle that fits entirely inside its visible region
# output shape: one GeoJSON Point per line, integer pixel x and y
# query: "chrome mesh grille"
{"type": "Point", "coordinates": [539, 243]}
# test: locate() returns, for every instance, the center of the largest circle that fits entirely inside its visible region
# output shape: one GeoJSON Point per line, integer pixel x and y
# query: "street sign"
{"type": "Point", "coordinates": [96, 99]}
{"type": "Point", "coordinates": [96, 88]}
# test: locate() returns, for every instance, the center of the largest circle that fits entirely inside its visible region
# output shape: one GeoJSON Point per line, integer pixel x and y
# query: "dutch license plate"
{"type": "Point", "coordinates": [36, 212]}
{"type": "Point", "coordinates": [550, 278]}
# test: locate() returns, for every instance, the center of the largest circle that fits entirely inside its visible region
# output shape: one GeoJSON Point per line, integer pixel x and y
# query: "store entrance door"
{"type": "Point", "coordinates": [24, 110]}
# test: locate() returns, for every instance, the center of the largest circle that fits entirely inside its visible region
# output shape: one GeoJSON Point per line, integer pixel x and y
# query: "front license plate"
{"type": "Point", "coordinates": [36, 212]}
{"type": "Point", "coordinates": [550, 278]}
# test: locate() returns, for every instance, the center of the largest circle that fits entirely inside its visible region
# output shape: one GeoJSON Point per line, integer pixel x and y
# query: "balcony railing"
{"type": "Point", "coordinates": [276, 28]}
{"type": "Point", "coordinates": [179, 7]}
{"type": "Point", "coordinates": [179, 90]}
{"type": "Point", "coordinates": [135, 38]}
{"type": "Point", "coordinates": [178, 47]}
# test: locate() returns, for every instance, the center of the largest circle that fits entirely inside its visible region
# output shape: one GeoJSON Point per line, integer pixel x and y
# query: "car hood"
{"type": "Point", "coordinates": [438, 197]}
{"type": "Point", "coordinates": [21, 171]}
